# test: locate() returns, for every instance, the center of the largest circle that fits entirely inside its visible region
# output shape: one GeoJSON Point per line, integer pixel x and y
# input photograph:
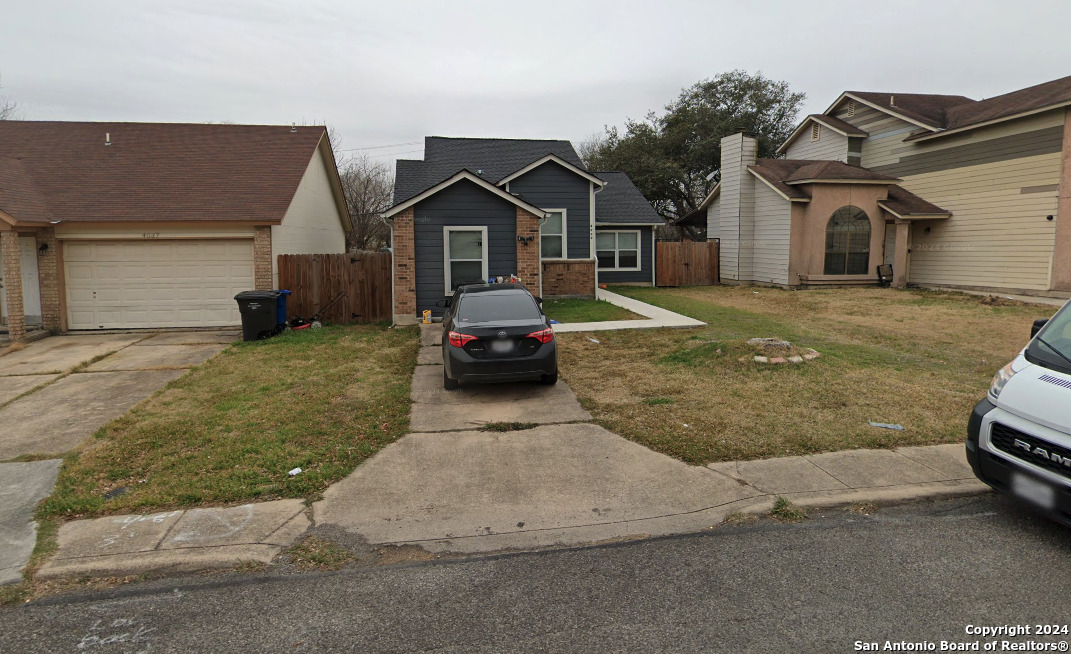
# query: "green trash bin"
{"type": "Point", "coordinates": [259, 310]}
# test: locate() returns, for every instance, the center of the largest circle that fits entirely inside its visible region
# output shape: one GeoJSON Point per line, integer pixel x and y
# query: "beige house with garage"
{"type": "Point", "coordinates": [143, 225]}
{"type": "Point", "coordinates": [949, 191]}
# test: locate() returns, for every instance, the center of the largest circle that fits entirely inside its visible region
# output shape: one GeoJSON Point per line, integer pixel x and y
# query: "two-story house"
{"type": "Point", "coordinates": [474, 209]}
{"type": "Point", "coordinates": [950, 191]}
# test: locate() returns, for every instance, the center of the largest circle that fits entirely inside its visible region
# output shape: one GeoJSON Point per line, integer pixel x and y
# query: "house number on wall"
{"type": "Point", "coordinates": [151, 235]}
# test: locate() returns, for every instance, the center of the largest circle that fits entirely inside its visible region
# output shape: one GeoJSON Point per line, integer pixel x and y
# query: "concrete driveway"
{"type": "Point", "coordinates": [452, 486]}
{"type": "Point", "coordinates": [58, 391]}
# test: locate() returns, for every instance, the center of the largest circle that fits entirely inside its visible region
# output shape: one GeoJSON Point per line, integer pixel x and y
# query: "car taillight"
{"type": "Point", "coordinates": [543, 336]}
{"type": "Point", "coordinates": [459, 340]}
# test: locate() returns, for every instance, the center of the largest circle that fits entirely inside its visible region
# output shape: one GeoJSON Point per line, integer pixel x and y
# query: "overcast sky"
{"type": "Point", "coordinates": [388, 73]}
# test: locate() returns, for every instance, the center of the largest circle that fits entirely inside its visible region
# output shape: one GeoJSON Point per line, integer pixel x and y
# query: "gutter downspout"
{"type": "Point", "coordinates": [591, 239]}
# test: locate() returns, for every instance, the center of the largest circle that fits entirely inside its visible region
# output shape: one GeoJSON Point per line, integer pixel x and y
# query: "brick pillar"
{"type": "Point", "coordinates": [528, 253]}
{"type": "Point", "coordinates": [262, 258]}
{"type": "Point", "coordinates": [404, 262]}
{"type": "Point", "coordinates": [12, 260]}
{"type": "Point", "coordinates": [48, 274]}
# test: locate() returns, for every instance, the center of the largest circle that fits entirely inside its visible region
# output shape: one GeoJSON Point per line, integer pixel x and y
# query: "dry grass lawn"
{"type": "Point", "coordinates": [916, 358]}
{"type": "Point", "coordinates": [229, 431]}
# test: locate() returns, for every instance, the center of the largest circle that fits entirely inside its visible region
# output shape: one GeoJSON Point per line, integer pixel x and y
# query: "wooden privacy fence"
{"type": "Point", "coordinates": [687, 263]}
{"type": "Point", "coordinates": [315, 279]}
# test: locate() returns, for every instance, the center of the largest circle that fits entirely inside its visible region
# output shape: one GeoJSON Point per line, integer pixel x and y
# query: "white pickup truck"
{"type": "Point", "coordinates": [1019, 436]}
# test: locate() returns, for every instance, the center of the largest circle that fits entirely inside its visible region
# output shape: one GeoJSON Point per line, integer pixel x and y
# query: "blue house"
{"type": "Point", "coordinates": [479, 208]}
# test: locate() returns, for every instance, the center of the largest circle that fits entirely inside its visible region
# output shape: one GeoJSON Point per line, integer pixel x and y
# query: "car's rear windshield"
{"type": "Point", "coordinates": [490, 307]}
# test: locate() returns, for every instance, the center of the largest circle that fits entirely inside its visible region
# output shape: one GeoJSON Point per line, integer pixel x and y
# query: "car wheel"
{"type": "Point", "coordinates": [549, 380]}
{"type": "Point", "coordinates": [449, 384]}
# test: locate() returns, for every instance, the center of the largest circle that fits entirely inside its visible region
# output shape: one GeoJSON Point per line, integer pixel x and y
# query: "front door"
{"type": "Point", "coordinates": [465, 255]}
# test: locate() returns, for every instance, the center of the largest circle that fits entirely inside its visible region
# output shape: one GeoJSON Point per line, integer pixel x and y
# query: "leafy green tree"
{"type": "Point", "coordinates": [674, 158]}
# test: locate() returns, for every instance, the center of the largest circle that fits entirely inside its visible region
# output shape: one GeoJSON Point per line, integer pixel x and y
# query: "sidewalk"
{"type": "Point", "coordinates": [656, 317]}
{"type": "Point", "coordinates": [453, 487]}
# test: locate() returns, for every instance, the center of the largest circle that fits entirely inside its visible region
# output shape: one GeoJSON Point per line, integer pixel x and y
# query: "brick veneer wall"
{"type": "Point", "coordinates": [528, 252]}
{"type": "Point", "coordinates": [404, 262]}
{"type": "Point", "coordinates": [262, 258]}
{"type": "Point", "coordinates": [569, 278]}
{"type": "Point", "coordinates": [48, 273]}
{"type": "Point", "coordinates": [9, 252]}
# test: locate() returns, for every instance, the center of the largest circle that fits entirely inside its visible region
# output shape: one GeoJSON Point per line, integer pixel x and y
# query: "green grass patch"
{"type": "Point", "coordinates": [580, 310]}
{"type": "Point", "coordinates": [508, 426]}
{"type": "Point", "coordinates": [315, 553]}
{"type": "Point", "coordinates": [229, 431]}
{"type": "Point", "coordinates": [785, 511]}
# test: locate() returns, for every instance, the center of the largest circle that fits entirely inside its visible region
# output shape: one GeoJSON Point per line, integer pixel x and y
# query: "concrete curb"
{"type": "Point", "coordinates": [177, 541]}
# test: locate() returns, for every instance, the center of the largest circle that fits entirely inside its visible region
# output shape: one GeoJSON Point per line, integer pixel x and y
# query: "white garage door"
{"type": "Point", "coordinates": [180, 283]}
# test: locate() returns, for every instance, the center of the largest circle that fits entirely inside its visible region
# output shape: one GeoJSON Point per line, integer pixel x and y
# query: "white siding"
{"type": "Point", "coordinates": [312, 224]}
{"type": "Point", "coordinates": [829, 146]}
{"type": "Point", "coordinates": [731, 149]}
{"type": "Point", "coordinates": [772, 226]}
{"type": "Point", "coordinates": [714, 218]}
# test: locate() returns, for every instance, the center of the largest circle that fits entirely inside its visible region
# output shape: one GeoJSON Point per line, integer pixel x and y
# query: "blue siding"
{"type": "Point", "coordinates": [552, 187]}
{"type": "Point", "coordinates": [646, 258]}
{"type": "Point", "coordinates": [463, 204]}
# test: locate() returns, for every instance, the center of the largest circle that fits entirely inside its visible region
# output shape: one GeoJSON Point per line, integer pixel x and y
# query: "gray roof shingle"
{"type": "Point", "coordinates": [497, 158]}
{"type": "Point", "coordinates": [621, 202]}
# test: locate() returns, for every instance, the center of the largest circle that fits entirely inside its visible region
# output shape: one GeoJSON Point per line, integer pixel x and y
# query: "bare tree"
{"type": "Point", "coordinates": [590, 147]}
{"type": "Point", "coordinates": [368, 186]}
{"type": "Point", "coordinates": [9, 109]}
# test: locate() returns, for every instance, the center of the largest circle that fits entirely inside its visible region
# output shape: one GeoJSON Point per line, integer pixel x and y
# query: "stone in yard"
{"type": "Point", "coordinates": [810, 357]}
{"type": "Point", "coordinates": [760, 359]}
{"type": "Point", "coordinates": [768, 342]}
{"type": "Point", "coordinates": [778, 360]}
{"type": "Point", "coordinates": [795, 359]}
{"type": "Point", "coordinates": [815, 353]}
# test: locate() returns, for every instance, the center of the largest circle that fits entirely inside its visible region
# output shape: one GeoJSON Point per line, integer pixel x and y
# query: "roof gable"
{"type": "Point", "coordinates": [835, 124]}
{"type": "Point", "coordinates": [454, 179]}
{"type": "Point", "coordinates": [551, 158]}
{"type": "Point", "coordinates": [491, 159]}
{"type": "Point", "coordinates": [155, 171]}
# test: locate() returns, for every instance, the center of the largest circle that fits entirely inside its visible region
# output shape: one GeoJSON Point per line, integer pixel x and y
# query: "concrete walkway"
{"type": "Point", "coordinates": [655, 317]}
{"type": "Point", "coordinates": [453, 487]}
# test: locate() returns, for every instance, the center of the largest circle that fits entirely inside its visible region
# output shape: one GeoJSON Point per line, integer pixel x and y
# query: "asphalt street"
{"type": "Point", "coordinates": [921, 573]}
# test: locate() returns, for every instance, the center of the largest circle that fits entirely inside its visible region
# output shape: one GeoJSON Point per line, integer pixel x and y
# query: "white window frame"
{"type": "Point", "coordinates": [617, 250]}
{"type": "Point", "coordinates": [564, 235]}
{"type": "Point", "coordinates": [449, 283]}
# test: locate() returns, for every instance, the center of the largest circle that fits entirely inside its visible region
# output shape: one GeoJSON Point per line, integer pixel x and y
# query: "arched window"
{"type": "Point", "coordinates": [848, 242]}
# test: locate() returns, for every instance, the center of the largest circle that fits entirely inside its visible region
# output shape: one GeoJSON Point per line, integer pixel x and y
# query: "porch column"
{"type": "Point", "coordinates": [903, 232]}
{"type": "Point", "coordinates": [48, 274]}
{"type": "Point", "coordinates": [528, 264]}
{"type": "Point", "coordinates": [12, 258]}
